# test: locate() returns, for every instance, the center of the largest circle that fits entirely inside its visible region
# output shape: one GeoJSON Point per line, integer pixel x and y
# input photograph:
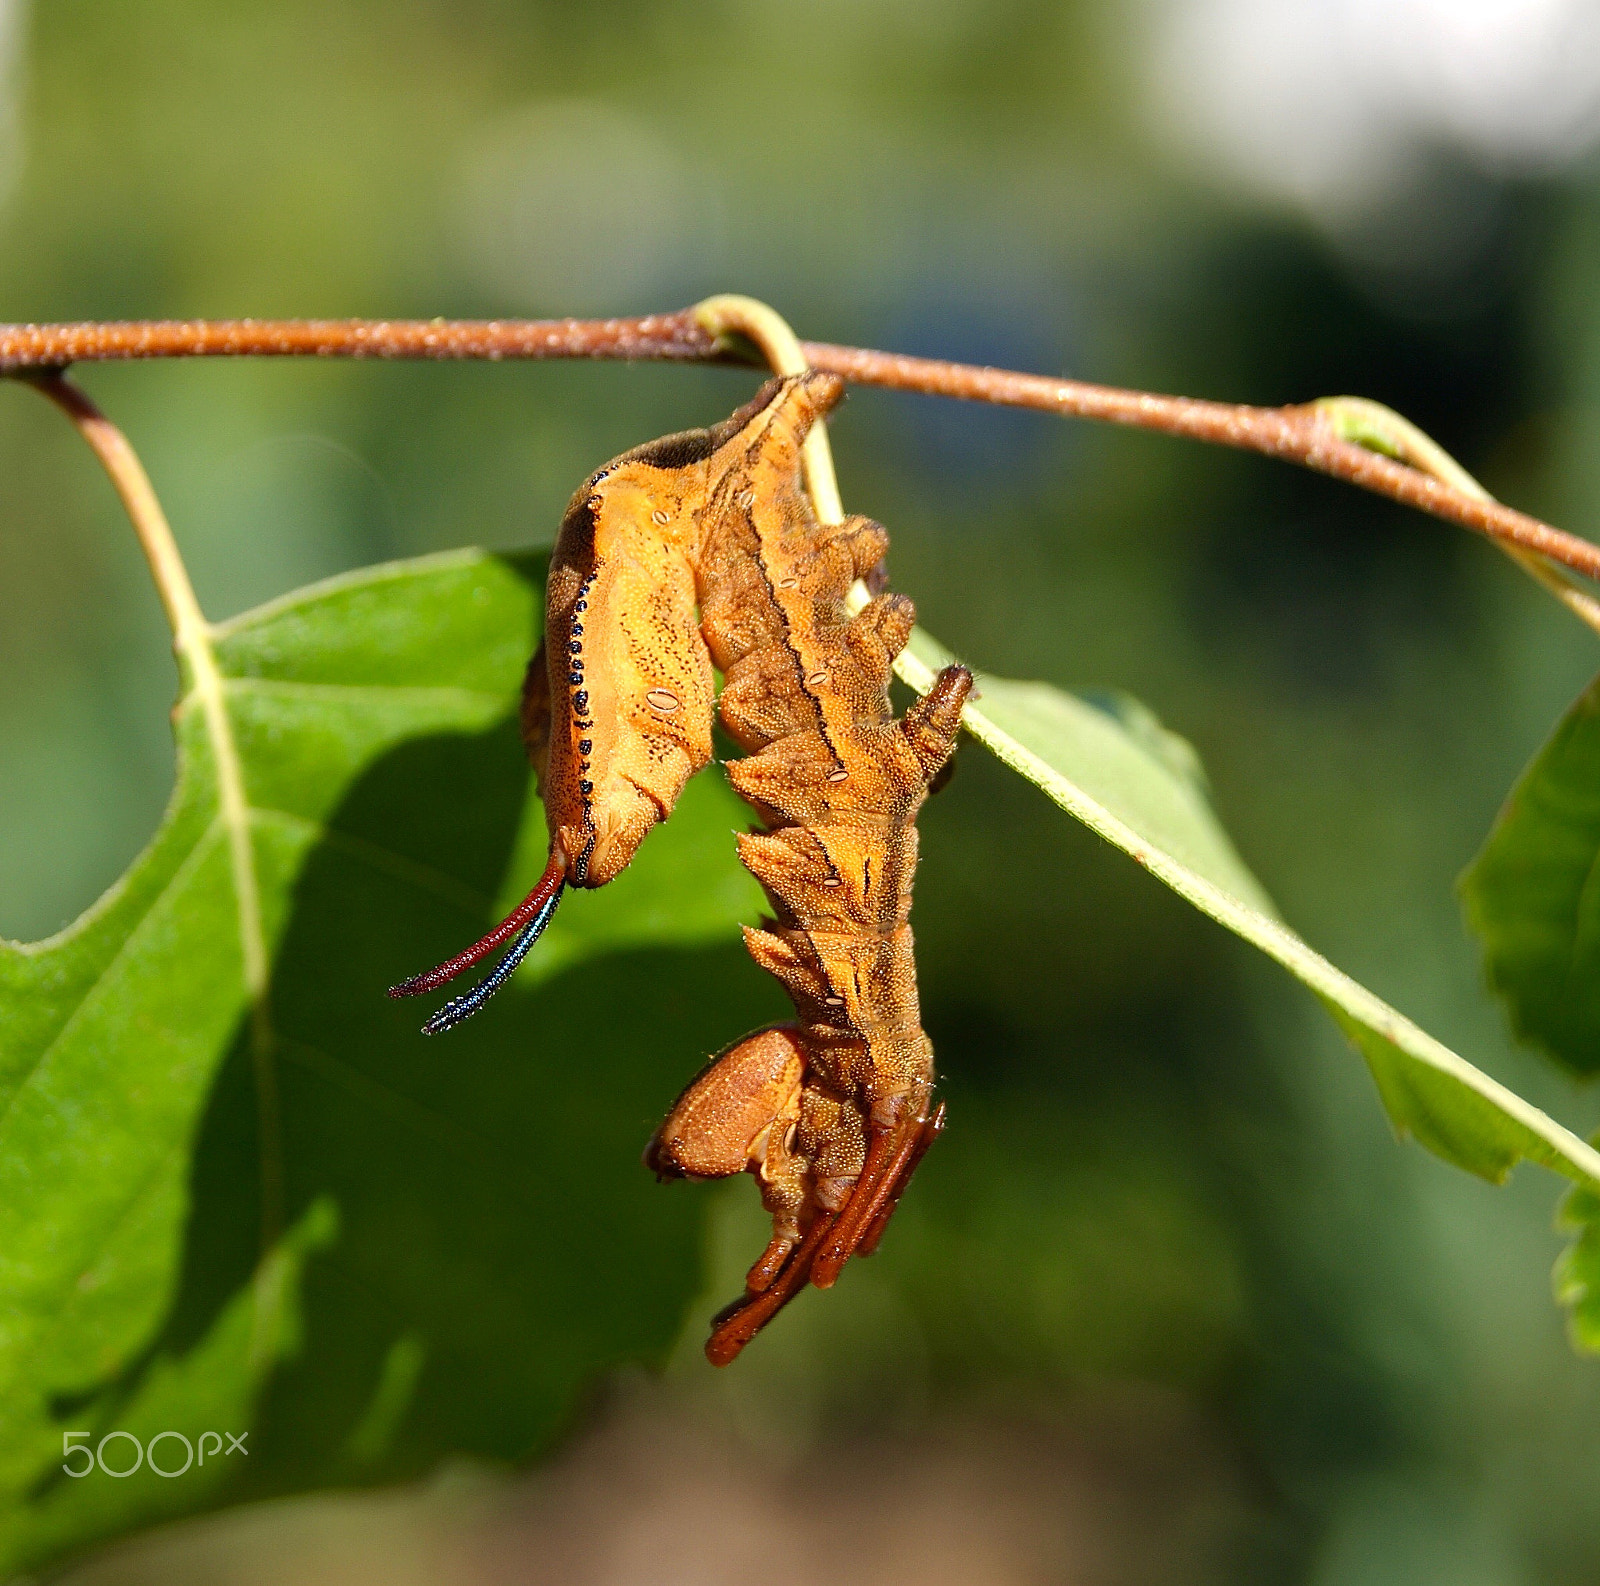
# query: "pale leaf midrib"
{"type": "Point", "coordinates": [1303, 961]}
{"type": "Point", "coordinates": [209, 689]}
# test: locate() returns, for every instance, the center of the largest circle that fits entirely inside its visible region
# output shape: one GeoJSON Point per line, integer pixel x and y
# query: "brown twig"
{"type": "Point", "coordinates": [1382, 430]}
{"type": "Point", "coordinates": [1300, 434]}
{"type": "Point", "coordinates": [652, 336]}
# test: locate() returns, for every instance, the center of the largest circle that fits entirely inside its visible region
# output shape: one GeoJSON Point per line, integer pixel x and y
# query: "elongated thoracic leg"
{"type": "Point", "coordinates": [891, 1148]}
{"type": "Point", "coordinates": [901, 1176]}
{"type": "Point", "coordinates": [735, 1325]}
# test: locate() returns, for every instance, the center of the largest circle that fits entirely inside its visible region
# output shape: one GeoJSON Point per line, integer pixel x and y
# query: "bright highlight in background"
{"type": "Point", "coordinates": [1332, 103]}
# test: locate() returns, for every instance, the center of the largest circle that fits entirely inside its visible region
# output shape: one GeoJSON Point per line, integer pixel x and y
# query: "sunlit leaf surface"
{"type": "Point", "coordinates": [460, 1234]}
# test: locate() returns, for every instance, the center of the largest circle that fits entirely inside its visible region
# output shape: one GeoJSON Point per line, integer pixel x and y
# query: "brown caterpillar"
{"type": "Point", "coordinates": [702, 550]}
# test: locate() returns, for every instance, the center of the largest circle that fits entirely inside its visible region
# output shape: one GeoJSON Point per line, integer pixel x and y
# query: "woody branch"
{"type": "Point", "coordinates": [1303, 434]}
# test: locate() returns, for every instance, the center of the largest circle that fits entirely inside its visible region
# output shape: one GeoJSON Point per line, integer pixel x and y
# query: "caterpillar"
{"type": "Point", "coordinates": [701, 553]}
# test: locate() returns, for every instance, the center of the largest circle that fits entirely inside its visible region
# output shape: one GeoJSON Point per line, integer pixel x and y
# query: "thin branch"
{"type": "Point", "coordinates": [1372, 425]}
{"type": "Point", "coordinates": [652, 336]}
{"type": "Point", "coordinates": [1300, 434]}
{"type": "Point", "coordinates": [192, 639]}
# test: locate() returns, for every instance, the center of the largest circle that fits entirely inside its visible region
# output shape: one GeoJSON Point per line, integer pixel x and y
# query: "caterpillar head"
{"type": "Point", "coordinates": [618, 701]}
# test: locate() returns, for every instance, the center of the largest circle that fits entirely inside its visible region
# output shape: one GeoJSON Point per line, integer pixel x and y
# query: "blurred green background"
{"type": "Point", "coordinates": [1168, 1304]}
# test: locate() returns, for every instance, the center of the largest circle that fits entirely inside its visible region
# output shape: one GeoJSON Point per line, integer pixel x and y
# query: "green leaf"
{"type": "Point", "coordinates": [1577, 1274]}
{"type": "Point", "coordinates": [207, 1056]}
{"type": "Point", "coordinates": [181, 1411]}
{"type": "Point", "coordinates": [1124, 778]}
{"type": "Point", "coordinates": [1532, 896]}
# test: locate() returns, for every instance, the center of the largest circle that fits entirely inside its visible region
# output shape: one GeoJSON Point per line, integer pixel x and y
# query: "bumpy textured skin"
{"type": "Point", "coordinates": [624, 659]}
{"type": "Point", "coordinates": [702, 550]}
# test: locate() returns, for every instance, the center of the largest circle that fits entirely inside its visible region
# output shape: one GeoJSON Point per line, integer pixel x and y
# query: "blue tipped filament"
{"type": "Point", "coordinates": [463, 1007]}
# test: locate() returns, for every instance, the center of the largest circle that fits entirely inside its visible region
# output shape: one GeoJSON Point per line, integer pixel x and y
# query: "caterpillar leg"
{"type": "Point", "coordinates": [833, 1237]}
{"type": "Point", "coordinates": [735, 1325]}
{"type": "Point", "coordinates": [894, 1148]}
{"type": "Point", "coordinates": [933, 723]}
{"type": "Point", "coordinates": [929, 1132]}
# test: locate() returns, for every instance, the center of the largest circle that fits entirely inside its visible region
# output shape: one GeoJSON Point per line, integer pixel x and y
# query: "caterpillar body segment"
{"type": "Point", "coordinates": [628, 675]}
{"type": "Point", "coordinates": [617, 700]}
{"type": "Point", "coordinates": [702, 551]}
{"type": "Point", "coordinates": [836, 784]}
{"type": "Point", "coordinates": [740, 1114]}
{"type": "Point", "coordinates": [736, 1113]}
